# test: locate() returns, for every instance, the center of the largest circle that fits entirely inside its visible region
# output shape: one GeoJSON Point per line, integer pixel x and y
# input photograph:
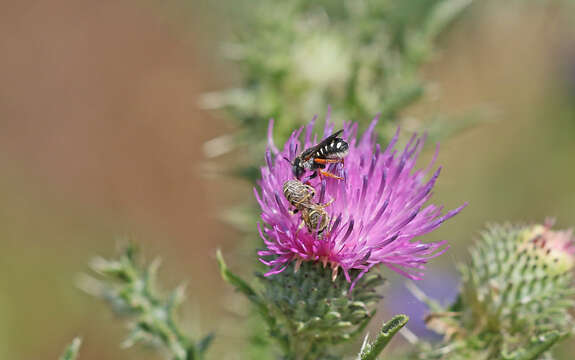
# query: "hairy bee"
{"type": "Point", "coordinates": [298, 194]}
{"type": "Point", "coordinates": [330, 150]}
{"type": "Point", "coordinates": [315, 218]}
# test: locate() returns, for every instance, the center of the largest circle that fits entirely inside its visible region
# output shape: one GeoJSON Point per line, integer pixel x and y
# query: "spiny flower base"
{"type": "Point", "coordinates": [520, 280]}
{"type": "Point", "coordinates": [515, 296]}
{"type": "Point", "coordinates": [314, 311]}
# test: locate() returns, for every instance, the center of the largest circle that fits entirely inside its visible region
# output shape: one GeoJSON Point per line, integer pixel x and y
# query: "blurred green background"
{"type": "Point", "coordinates": [101, 136]}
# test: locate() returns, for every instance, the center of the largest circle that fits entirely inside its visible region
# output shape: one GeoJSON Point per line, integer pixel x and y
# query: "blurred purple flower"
{"type": "Point", "coordinates": [377, 210]}
{"type": "Point", "coordinates": [440, 285]}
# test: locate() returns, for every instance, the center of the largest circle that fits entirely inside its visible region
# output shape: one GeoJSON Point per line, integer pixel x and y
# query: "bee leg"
{"type": "Point", "coordinates": [327, 203]}
{"type": "Point", "coordinates": [308, 198]}
{"type": "Point", "coordinates": [328, 174]}
{"type": "Point", "coordinates": [311, 193]}
{"type": "Point", "coordinates": [307, 180]}
{"type": "Point", "coordinates": [327, 161]}
{"type": "Point", "coordinates": [311, 177]}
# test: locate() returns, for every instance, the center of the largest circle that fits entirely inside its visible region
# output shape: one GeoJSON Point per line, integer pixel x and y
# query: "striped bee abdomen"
{"type": "Point", "coordinates": [298, 194]}
{"type": "Point", "coordinates": [315, 218]}
{"type": "Point", "coordinates": [336, 148]}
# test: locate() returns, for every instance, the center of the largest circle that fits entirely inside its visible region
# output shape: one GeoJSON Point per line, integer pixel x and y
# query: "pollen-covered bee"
{"type": "Point", "coordinates": [315, 218]}
{"type": "Point", "coordinates": [331, 150]}
{"type": "Point", "coordinates": [298, 194]}
{"type": "Point", "coordinates": [313, 215]}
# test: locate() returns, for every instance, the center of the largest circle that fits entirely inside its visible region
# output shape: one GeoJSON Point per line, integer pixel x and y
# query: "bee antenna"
{"type": "Point", "coordinates": [286, 159]}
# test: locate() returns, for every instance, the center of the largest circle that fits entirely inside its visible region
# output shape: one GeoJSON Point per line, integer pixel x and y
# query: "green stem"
{"type": "Point", "coordinates": [388, 330]}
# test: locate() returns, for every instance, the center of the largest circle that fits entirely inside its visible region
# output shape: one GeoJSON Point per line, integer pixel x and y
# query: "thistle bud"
{"type": "Point", "coordinates": [517, 288]}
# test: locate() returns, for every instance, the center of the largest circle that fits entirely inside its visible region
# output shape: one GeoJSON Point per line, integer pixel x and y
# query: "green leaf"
{"type": "Point", "coordinates": [243, 287]}
{"type": "Point", "coordinates": [72, 350]}
{"type": "Point", "coordinates": [240, 285]}
{"type": "Point", "coordinates": [389, 329]}
{"type": "Point", "coordinates": [362, 327]}
{"type": "Point", "coordinates": [131, 288]}
{"type": "Point", "coordinates": [205, 343]}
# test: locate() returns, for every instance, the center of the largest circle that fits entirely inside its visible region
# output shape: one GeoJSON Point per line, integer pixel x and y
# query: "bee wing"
{"type": "Point", "coordinates": [330, 138]}
{"type": "Point", "coordinates": [308, 153]}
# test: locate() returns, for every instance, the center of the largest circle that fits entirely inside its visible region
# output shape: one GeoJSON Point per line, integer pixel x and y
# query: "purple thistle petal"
{"type": "Point", "coordinates": [322, 192]}
{"type": "Point", "coordinates": [309, 130]}
{"type": "Point", "coordinates": [269, 159]}
{"type": "Point", "coordinates": [354, 282]}
{"type": "Point", "coordinates": [367, 137]}
{"type": "Point", "coordinates": [271, 144]}
{"type": "Point", "coordinates": [275, 270]}
{"type": "Point", "coordinates": [348, 232]}
{"type": "Point", "coordinates": [386, 242]}
{"type": "Point", "coordinates": [336, 222]}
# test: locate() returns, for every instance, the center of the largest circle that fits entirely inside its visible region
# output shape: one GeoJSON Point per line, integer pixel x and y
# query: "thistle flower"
{"type": "Point", "coordinates": [377, 212]}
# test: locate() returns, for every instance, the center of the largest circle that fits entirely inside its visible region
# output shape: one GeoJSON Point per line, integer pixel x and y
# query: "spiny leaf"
{"type": "Point", "coordinates": [536, 347]}
{"type": "Point", "coordinates": [363, 325]}
{"type": "Point", "coordinates": [130, 287]}
{"type": "Point", "coordinates": [71, 352]}
{"type": "Point", "coordinates": [388, 330]}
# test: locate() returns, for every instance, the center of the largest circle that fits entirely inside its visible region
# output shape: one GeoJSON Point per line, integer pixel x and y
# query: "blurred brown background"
{"type": "Point", "coordinates": [101, 135]}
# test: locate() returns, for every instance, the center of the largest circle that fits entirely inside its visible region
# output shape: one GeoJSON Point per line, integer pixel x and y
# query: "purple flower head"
{"type": "Point", "coordinates": [377, 210]}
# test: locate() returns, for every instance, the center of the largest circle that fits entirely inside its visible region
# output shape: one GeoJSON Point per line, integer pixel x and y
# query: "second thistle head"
{"type": "Point", "coordinates": [519, 281]}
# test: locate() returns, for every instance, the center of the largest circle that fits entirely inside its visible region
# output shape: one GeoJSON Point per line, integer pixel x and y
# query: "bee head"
{"type": "Point", "coordinates": [297, 168]}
